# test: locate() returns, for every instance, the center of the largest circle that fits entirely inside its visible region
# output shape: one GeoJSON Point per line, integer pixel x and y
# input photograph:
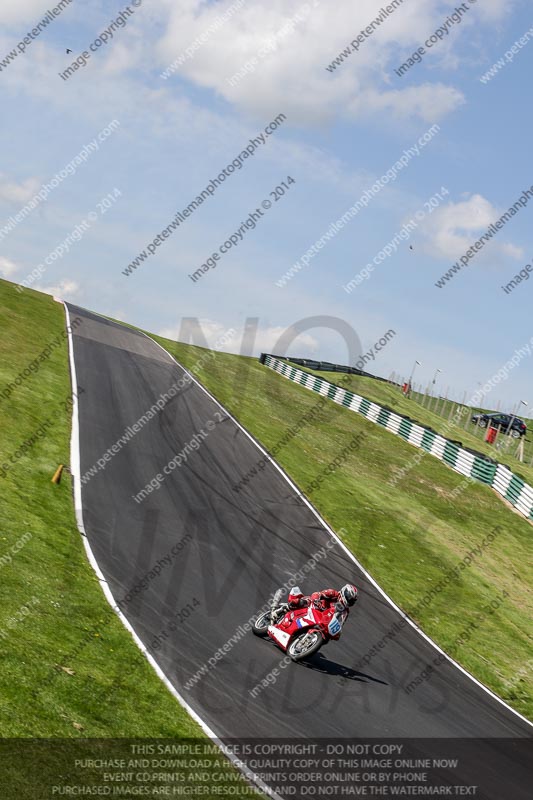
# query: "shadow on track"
{"type": "Point", "coordinates": [320, 663]}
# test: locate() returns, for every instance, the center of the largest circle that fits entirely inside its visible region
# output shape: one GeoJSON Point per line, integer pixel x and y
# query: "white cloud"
{"type": "Point", "coordinates": [494, 9]}
{"type": "Point", "coordinates": [21, 12]}
{"type": "Point", "coordinates": [305, 38]}
{"type": "Point", "coordinates": [293, 74]}
{"type": "Point", "coordinates": [453, 228]}
{"type": "Point", "coordinates": [512, 250]}
{"type": "Point", "coordinates": [267, 340]}
{"type": "Point", "coordinates": [124, 56]}
{"type": "Point", "coordinates": [208, 333]}
{"type": "Point", "coordinates": [203, 332]}
{"type": "Point", "coordinates": [169, 115]}
{"type": "Point", "coordinates": [17, 193]}
{"type": "Point", "coordinates": [7, 267]}
{"type": "Point", "coordinates": [429, 101]}
{"type": "Point", "coordinates": [119, 315]}
{"type": "Point", "coordinates": [64, 289]}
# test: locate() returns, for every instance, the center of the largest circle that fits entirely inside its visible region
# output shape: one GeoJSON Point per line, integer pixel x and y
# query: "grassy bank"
{"type": "Point", "coordinates": [68, 667]}
{"type": "Point", "coordinates": [389, 395]}
{"type": "Point", "coordinates": [50, 597]}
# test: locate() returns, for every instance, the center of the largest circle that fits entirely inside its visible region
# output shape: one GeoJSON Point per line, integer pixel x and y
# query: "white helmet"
{"type": "Point", "coordinates": [348, 594]}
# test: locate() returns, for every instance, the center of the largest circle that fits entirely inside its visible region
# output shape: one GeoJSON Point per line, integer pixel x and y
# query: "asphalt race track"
{"type": "Point", "coordinates": [232, 551]}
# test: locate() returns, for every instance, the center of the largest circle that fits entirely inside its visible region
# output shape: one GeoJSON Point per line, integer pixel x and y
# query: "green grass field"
{"type": "Point", "coordinates": [418, 409]}
{"type": "Point", "coordinates": [43, 691]}
{"type": "Point", "coordinates": [404, 536]}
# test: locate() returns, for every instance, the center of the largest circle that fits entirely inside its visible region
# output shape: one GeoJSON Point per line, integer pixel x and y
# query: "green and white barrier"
{"type": "Point", "coordinates": [509, 486]}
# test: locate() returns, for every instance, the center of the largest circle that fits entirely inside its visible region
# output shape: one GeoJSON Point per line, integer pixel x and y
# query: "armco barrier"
{"type": "Point", "coordinates": [328, 366]}
{"type": "Point", "coordinates": [512, 488]}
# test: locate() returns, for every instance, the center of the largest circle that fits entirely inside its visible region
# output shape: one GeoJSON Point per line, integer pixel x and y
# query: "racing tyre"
{"type": "Point", "coordinates": [260, 625]}
{"type": "Point", "coordinates": [305, 645]}
{"type": "Point", "coordinates": [482, 423]}
{"type": "Point", "coordinates": [515, 434]}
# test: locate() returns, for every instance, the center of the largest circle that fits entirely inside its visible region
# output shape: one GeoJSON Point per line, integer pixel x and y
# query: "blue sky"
{"type": "Point", "coordinates": [343, 130]}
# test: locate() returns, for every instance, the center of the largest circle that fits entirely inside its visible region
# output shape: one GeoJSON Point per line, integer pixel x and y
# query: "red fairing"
{"type": "Point", "coordinates": [309, 616]}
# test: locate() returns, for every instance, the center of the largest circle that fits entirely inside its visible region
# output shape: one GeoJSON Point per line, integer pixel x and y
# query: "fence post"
{"type": "Point", "coordinates": [451, 411]}
{"type": "Point", "coordinates": [466, 415]}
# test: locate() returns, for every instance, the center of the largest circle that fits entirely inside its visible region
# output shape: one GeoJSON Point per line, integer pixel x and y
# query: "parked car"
{"type": "Point", "coordinates": [502, 422]}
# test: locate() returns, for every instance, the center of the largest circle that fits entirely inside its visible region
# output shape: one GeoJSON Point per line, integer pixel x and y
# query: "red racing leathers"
{"type": "Point", "coordinates": [322, 600]}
